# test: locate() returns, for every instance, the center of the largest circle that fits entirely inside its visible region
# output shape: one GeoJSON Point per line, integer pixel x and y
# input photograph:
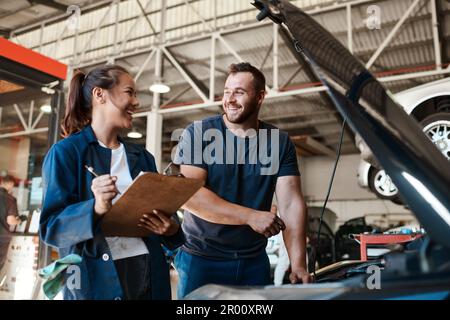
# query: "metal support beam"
{"type": "Point", "coordinates": [37, 120]}
{"type": "Point", "coordinates": [189, 60]}
{"type": "Point", "coordinates": [162, 36]}
{"type": "Point", "coordinates": [292, 76]}
{"type": "Point", "coordinates": [392, 34]}
{"type": "Point", "coordinates": [215, 13]}
{"type": "Point", "coordinates": [144, 65]}
{"type": "Point", "coordinates": [207, 25]}
{"type": "Point", "coordinates": [41, 36]}
{"type": "Point", "coordinates": [184, 74]}
{"type": "Point", "coordinates": [57, 104]}
{"type": "Point", "coordinates": [309, 90]}
{"type": "Point", "coordinates": [30, 115]}
{"type": "Point", "coordinates": [75, 47]}
{"type": "Point", "coordinates": [334, 6]}
{"type": "Point", "coordinates": [191, 107]}
{"type": "Point", "coordinates": [154, 136]}
{"type": "Point", "coordinates": [158, 71]}
{"type": "Point", "coordinates": [23, 133]}
{"type": "Point", "coordinates": [58, 41]}
{"type": "Point", "coordinates": [176, 96]}
{"type": "Point", "coordinates": [442, 27]}
{"type": "Point", "coordinates": [223, 32]}
{"type": "Point", "coordinates": [229, 48]}
{"type": "Point", "coordinates": [219, 103]}
{"type": "Point", "coordinates": [132, 28]}
{"type": "Point", "coordinates": [94, 34]}
{"type": "Point", "coordinates": [19, 113]}
{"type": "Point", "coordinates": [306, 124]}
{"type": "Point", "coordinates": [235, 54]}
{"type": "Point", "coordinates": [116, 28]}
{"type": "Point", "coordinates": [309, 114]}
{"type": "Point", "coordinates": [349, 28]}
{"type": "Point", "coordinates": [95, 5]}
{"type": "Point", "coordinates": [146, 17]}
{"type": "Point", "coordinates": [266, 56]}
{"type": "Point", "coordinates": [159, 60]}
{"type": "Point", "coordinates": [435, 26]}
{"type": "Point", "coordinates": [212, 69]}
{"type": "Point", "coordinates": [275, 86]}
{"type": "Point", "coordinates": [415, 75]}
{"type": "Point", "coordinates": [305, 91]}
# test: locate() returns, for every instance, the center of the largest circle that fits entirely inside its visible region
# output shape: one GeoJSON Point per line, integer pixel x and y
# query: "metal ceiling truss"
{"type": "Point", "coordinates": [29, 127]}
{"type": "Point", "coordinates": [162, 49]}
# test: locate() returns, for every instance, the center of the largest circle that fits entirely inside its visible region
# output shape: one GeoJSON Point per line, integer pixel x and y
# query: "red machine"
{"type": "Point", "coordinates": [366, 240]}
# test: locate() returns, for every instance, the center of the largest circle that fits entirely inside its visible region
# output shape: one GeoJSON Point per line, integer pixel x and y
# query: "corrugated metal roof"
{"type": "Point", "coordinates": [411, 49]}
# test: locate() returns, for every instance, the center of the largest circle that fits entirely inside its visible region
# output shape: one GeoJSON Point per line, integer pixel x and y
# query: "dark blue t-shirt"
{"type": "Point", "coordinates": [243, 171]}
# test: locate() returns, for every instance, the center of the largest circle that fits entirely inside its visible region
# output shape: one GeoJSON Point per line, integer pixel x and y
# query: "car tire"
{"type": "Point", "coordinates": [382, 185]}
{"type": "Point", "coordinates": [437, 129]}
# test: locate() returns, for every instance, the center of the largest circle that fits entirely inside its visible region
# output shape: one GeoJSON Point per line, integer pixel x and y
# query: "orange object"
{"type": "Point", "coordinates": [32, 59]}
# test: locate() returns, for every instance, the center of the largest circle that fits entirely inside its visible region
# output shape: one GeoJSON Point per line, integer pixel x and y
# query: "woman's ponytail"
{"type": "Point", "coordinates": [77, 114]}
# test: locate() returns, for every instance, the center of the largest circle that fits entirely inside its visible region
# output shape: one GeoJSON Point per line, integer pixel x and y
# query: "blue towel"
{"type": "Point", "coordinates": [54, 276]}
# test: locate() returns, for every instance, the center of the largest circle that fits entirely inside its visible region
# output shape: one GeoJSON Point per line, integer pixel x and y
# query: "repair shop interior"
{"type": "Point", "coordinates": [345, 106]}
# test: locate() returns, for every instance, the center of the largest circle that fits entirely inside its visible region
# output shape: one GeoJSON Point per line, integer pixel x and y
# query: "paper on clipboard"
{"type": "Point", "coordinates": [148, 191]}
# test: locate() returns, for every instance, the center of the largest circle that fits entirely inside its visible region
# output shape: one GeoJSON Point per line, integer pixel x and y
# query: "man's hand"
{"type": "Point", "coordinates": [300, 275]}
{"type": "Point", "coordinates": [266, 223]}
{"type": "Point", "coordinates": [12, 220]}
{"type": "Point", "coordinates": [159, 223]}
{"type": "Point", "coordinates": [104, 189]}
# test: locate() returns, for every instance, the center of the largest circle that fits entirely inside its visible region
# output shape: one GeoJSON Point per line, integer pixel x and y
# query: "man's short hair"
{"type": "Point", "coordinates": [259, 81]}
{"type": "Point", "coordinates": [7, 179]}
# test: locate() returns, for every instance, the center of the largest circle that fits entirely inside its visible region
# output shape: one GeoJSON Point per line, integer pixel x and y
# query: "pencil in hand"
{"type": "Point", "coordinates": [91, 170]}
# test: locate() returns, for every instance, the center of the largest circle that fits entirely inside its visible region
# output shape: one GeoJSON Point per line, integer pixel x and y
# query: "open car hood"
{"type": "Point", "coordinates": [416, 166]}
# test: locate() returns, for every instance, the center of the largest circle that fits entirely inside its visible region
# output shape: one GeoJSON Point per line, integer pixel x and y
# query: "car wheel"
{"type": "Point", "coordinates": [437, 129]}
{"type": "Point", "coordinates": [381, 184]}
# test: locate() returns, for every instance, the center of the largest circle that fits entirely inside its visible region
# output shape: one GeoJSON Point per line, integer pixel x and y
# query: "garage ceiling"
{"type": "Point", "coordinates": [15, 14]}
{"type": "Point", "coordinates": [188, 41]}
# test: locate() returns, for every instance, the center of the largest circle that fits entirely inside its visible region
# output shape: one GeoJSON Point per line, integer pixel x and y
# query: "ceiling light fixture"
{"type": "Point", "coordinates": [46, 108]}
{"type": "Point", "coordinates": [134, 134]}
{"type": "Point", "coordinates": [159, 87]}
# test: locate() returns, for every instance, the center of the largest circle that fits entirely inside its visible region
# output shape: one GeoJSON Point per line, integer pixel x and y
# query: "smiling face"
{"type": "Point", "coordinates": [118, 104]}
{"type": "Point", "coordinates": [240, 100]}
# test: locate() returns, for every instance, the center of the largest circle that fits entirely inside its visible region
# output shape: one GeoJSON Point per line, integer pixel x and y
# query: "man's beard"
{"type": "Point", "coordinates": [251, 110]}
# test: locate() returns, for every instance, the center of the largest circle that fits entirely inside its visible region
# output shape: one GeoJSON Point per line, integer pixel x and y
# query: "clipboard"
{"type": "Point", "coordinates": [148, 191]}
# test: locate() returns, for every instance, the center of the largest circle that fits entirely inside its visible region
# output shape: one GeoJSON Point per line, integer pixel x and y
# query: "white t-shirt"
{"type": "Point", "coordinates": [123, 247]}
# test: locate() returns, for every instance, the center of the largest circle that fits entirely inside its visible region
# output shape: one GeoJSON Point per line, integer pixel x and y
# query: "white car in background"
{"type": "Point", "coordinates": [429, 104]}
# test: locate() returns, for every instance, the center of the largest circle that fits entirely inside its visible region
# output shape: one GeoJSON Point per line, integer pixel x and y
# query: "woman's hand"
{"type": "Point", "coordinates": [104, 189]}
{"type": "Point", "coordinates": [159, 223]}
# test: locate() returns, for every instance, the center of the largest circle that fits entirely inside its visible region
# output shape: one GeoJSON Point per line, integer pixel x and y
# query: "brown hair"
{"type": "Point", "coordinates": [79, 102]}
{"type": "Point", "coordinates": [7, 179]}
{"type": "Point", "coordinates": [259, 81]}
